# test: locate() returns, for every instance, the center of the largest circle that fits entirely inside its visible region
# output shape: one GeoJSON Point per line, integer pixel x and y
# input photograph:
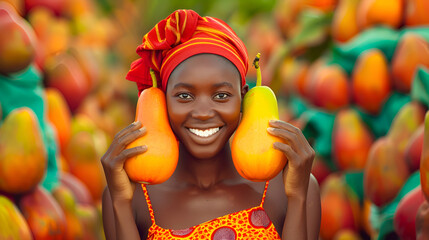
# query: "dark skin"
{"type": "Point", "coordinates": [205, 92]}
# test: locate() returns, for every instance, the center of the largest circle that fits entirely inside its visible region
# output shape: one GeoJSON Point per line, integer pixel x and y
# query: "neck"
{"type": "Point", "coordinates": [205, 173]}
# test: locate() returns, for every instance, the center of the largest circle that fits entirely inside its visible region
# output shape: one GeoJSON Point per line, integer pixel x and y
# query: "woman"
{"type": "Point", "coordinates": [202, 64]}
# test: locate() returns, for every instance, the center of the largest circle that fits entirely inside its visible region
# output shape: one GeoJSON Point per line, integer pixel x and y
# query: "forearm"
{"type": "Point", "coordinates": [124, 221]}
{"type": "Point", "coordinates": [295, 226]}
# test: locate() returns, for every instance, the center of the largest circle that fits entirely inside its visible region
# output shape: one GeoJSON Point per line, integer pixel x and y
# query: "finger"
{"type": "Point", "coordinates": [291, 128]}
{"type": "Point", "coordinates": [122, 142]}
{"type": "Point", "coordinates": [126, 154]}
{"type": "Point", "coordinates": [284, 125]}
{"type": "Point", "coordinates": [287, 150]}
{"type": "Point", "coordinates": [131, 136]}
{"type": "Point", "coordinates": [133, 126]}
{"type": "Point", "coordinates": [289, 137]}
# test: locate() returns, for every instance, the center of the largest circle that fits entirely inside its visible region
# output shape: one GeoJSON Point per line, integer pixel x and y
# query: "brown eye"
{"type": "Point", "coordinates": [184, 96]}
{"type": "Point", "coordinates": [221, 96]}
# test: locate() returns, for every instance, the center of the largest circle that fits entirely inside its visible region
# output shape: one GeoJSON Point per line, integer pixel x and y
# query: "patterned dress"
{"type": "Point", "coordinates": [252, 223]}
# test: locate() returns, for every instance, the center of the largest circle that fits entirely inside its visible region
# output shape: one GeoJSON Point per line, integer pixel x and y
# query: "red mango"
{"type": "Point", "coordinates": [405, 215]}
{"type": "Point", "coordinates": [385, 172]}
{"type": "Point", "coordinates": [43, 214]}
{"type": "Point", "coordinates": [64, 73]}
{"type": "Point", "coordinates": [413, 151]}
{"type": "Point", "coordinates": [351, 140]}
{"type": "Point", "coordinates": [18, 41]}
{"type": "Point", "coordinates": [412, 51]}
{"type": "Point", "coordinates": [422, 221]}
{"type": "Point", "coordinates": [330, 89]}
{"type": "Point", "coordinates": [424, 160]}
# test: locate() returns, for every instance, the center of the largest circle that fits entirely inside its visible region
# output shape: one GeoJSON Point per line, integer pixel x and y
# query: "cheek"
{"type": "Point", "coordinates": [231, 114]}
{"type": "Point", "coordinates": [175, 114]}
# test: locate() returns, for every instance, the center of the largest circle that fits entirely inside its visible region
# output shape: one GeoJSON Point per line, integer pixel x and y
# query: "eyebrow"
{"type": "Point", "coordinates": [223, 84]}
{"type": "Point", "coordinates": [217, 85]}
{"type": "Point", "coordinates": [185, 85]}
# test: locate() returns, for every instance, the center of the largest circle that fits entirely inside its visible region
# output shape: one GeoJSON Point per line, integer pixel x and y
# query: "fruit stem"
{"type": "Point", "coordinates": [258, 70]}
{"type": "Point", "coordinates": [154, 81]}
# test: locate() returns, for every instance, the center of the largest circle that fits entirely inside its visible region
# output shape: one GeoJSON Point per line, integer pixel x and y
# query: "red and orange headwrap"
{"type": "Point", "coordinates": [181, 35]}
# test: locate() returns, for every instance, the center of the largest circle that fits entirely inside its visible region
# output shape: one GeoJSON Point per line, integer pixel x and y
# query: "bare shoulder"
{"type": "Point", "coordinates": [140, 212]}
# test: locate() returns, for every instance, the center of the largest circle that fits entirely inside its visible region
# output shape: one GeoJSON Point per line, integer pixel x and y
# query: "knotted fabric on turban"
{"type": "Point", "coordinates": [181, 35]}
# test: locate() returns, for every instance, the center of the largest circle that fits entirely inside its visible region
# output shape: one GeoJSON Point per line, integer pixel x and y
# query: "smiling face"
{"type": "Point", "coordinates": [203, 102]}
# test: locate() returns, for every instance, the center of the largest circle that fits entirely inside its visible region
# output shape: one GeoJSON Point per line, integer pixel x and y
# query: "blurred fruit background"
{"type": "Point", "coordinates": [352, 74]}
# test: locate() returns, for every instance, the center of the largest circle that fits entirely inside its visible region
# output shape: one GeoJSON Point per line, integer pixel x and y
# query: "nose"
{"type": "Point", "coordinates": [202, 110]}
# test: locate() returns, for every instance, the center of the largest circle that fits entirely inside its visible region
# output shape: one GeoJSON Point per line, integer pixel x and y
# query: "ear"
{"type": "Point", "coordinates": [244, 90]}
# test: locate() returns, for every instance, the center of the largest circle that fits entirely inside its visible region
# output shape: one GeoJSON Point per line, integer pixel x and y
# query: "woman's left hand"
{"type": "Point", "coordinates": [300, 155]}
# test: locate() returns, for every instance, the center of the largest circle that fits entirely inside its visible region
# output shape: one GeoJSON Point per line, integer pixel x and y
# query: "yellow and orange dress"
{"type": "Point", "coordinates": [252, 223]}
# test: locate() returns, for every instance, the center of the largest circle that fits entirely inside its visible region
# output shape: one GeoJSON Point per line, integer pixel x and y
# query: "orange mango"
{"type": "Point", "coordinates": [158, 163]}
{"type": "Point", "coordinates": [344, 23]}
{"type": "Point", "coordinates": [23, 159]}
{"type": "Point", "coordinates": [371, 81]}
{"type": "Point", "coordinates": [59, 115]}
{"type": "Point", "coordinates": [340, 207]}
{"type": "Point", "coordinates": [416, 12]}
{"type": "Point", "coordinates": [351, 140]}
{"type": "Point", "coordinates": [347, 234]}
{"type": "Point", "coordinates": [373, 12]}
{"type": "Point", "coordinates": [412, 50]}
{"type": "Point", "coordinates": [84, 150]}
{"type": "Point", "coordinates": [53, 34]}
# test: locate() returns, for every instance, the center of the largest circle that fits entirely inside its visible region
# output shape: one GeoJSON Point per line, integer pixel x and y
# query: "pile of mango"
{"type": "Point", "coordinates": [62, 98]}
{"type": "Point", "coordinates": [354, 76]}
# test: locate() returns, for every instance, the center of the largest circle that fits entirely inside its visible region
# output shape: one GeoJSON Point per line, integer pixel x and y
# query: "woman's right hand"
{"type": "Point", "coordinates": [120, 186]}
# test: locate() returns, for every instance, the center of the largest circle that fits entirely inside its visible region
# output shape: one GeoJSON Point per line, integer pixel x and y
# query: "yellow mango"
{"type": "Point", "coordinates": [252, 146]}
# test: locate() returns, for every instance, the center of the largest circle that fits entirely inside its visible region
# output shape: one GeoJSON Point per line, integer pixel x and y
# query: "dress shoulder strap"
{"type": "Point", "coordinates": [149, 204]}
{"type": "Point", "coordinates": [264, 194]}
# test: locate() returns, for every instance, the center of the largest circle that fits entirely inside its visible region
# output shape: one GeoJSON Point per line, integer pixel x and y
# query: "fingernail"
{"type": "Point", "coordinates": [270, 129]}
{"type": "Point", "coordinates": [143, 129]}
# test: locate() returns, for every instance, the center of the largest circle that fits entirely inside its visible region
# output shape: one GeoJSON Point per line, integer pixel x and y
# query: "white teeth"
{"type": "Point", "coordinates": [204, 133]}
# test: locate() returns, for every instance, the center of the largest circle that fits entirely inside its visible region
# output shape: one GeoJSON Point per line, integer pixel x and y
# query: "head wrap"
{"type": "Point", "coordinates": [181, 35]}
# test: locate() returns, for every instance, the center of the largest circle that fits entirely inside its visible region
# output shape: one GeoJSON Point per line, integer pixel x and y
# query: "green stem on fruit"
{"type": "Point", "coordinates": [258, 70]}
{"type": "Point", "coordinates": [154, 81]}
